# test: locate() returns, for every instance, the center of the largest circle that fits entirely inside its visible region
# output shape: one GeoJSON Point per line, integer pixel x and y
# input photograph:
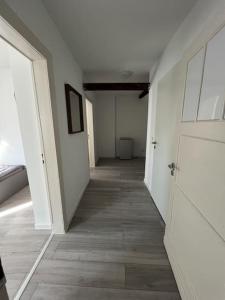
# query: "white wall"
{"type": "Point", "coordinates": [110, 76]}
{"type": "Point", "coordinates": [11, 147]}
{"type": "Point", "coordinates": [202, 14]}
{"type": "Point", "coordinates": [121, 115]}
{"type": "Point", "coordinates": [73, 149]}
{"type": "Point", "coordinates": [105, 113]}
{"type": "Point", "coordinates": [131, 121]}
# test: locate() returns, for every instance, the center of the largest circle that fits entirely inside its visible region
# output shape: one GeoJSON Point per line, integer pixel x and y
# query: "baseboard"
{"type": "Point", "coordinates": [148, 188]}
{"type": "Point", "coordinates": [147, 184]}
{"type": "Point", "coordinates": [75, 208]}
{"type": "Point", "coordinates": [186, 292]}
{"type": "Point", "coordinates": [43, 226]}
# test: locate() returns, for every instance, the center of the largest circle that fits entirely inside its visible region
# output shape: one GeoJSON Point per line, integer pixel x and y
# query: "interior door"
{"type": "Point", "coordinates": [195, 231]}
{"type": "Point", "coordinates": [166, 122]}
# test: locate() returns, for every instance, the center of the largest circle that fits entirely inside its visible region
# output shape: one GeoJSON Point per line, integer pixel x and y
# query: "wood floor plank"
{"type": "Point", "coordinates": [82, 273]}
{"type": "Point", "coordinates": [54, 292]}
{"type": "Point", "coordinates": [156, 256]}
{"type": "Point", "coordinates": [149, 277]}
{"type": "Point", "coordinates": [28, 293]}
{"type": "Point", "coordinates": [114, 248]}
{"type": "Point", "coordinates": [20, 243]}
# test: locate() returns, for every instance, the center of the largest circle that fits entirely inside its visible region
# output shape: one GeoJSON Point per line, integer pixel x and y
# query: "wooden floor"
{"type": "Point", "coordinates": [114, 248]}
{"type": "Point", "coordinates": [20, 243]}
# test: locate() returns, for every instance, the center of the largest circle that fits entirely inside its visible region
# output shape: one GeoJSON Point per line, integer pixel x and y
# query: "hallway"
{"type": "Point", "coordinates": [114, 248]}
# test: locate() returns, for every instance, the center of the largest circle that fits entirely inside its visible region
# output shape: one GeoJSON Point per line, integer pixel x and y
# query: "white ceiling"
{"type": "Point", "coordinates": [116, 35]}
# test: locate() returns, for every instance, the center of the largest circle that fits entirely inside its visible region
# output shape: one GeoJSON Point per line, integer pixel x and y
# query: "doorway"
{"type": "Point", "coordinates": [25, 214]}
{"type": "Point", "coordinates": [30, 70]}
{"type": "Point", "coordinates": [18, 36]}
{"type": "Point", "coordinates": [90, 132]}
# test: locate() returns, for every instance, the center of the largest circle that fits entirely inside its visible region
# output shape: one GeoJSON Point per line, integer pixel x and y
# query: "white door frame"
{"type": "Point", "coordinates": [13, 31]}
{"type": "Point", "coordinates": [90, 131]}
{"type": "Point", "coordinates": [152, 103]}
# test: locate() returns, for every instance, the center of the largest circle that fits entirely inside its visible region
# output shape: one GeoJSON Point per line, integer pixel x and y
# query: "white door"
{"type": "Point", "coordinates": [90, 132]}
{"type": "Point", "coordinates": [195, 231]}
{"type": "Point", "coordinates": [166, 121]}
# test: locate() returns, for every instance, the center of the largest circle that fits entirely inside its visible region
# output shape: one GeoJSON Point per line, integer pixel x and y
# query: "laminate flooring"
{"type": "Point", "coordinates": [114, 248]}
{"type": "Point", "coordinates": [20, 243]}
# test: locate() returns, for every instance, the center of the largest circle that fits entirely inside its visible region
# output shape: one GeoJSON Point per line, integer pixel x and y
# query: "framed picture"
{"type": "Point", "coordinates": [74, 107]}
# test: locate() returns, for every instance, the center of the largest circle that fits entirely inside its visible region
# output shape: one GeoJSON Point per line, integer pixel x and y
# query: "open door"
{"type": "Point", "coordinates": [195, 229]}
{"type": "Point", "coordinates": [163, 144]}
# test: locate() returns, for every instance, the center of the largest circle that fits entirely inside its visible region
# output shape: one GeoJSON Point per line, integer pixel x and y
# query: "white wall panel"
{"type": "Point", "coordinates": [213, 87]}
{"type": "Point", "coordinates": [193, 86]}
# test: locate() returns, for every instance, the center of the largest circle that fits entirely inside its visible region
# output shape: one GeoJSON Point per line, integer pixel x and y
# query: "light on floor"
{"type": "Point", "coordinates": [3, 148]}
{"type": "Point", "coordinates": [15, 209]}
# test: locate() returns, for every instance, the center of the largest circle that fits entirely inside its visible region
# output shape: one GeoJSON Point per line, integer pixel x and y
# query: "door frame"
{"type": "Point", "coordinates": [14, 32]}
{"type": "Point", "coordinates": [152, 103]}
{"type": "Point", "coordinates": [90, 132]}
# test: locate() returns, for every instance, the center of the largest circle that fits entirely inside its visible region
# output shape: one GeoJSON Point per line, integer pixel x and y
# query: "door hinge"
{"type": "Point", "coordinates": [154, 143]}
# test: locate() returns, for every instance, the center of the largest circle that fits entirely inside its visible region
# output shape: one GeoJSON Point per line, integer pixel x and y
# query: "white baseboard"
{"type": "Point", "coordinates": [186, 292]}
{"type": "Point", "coordinates": [30, 274]}
{"type": "Point", "coordinates": [148, 188]}
{"type": "Point", "coordinates": [43, 226]}
{"type": "Point", "coordinates": [147, 184]}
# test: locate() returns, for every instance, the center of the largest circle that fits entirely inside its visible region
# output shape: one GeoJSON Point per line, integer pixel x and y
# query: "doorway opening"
{"type": "Point", "coordinates": [39, 207]}
{"type": "Point", "coordinates": [25, 214]}
{"type": "Point", "coordinates": [90, 132]}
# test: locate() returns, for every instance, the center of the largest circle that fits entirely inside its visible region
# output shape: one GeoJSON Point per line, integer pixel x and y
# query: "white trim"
{"type": "Point", "coordinates": [90, 132]}
{"type": "Point", "coordinates": [30, 274]}
{"type": "Point", "coordinates": [147, 184]}
{"type": "Point", "coordinates": [148, 188]}
{"type": "Point", "coordinates": [20, 37]}
{"type": "Point", "coordinates": [186, 292]}
{"type": "Point", "coordinates": [43, 226]}
{"type": "Point", "coordinates": [149, 161]}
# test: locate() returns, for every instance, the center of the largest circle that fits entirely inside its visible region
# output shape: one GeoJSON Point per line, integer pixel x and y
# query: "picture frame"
{"type": "Point", "coordinates": [74, 106]}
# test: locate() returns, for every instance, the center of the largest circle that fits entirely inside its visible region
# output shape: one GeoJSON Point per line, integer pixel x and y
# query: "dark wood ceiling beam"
{"type": "Point", "coordinates": [143, 94]}
{"type": "Point", "coordinates": [125, 86]}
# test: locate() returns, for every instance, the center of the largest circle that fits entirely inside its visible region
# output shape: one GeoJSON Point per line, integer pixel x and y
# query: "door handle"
{"type": "Point", "coordinates": [154, 143]}
{"type": "Point", "coordinates": [172, 168]}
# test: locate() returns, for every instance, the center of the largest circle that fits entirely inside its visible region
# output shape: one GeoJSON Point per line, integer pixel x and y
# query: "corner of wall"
{"type": "Point", "coordinates": [73, 211]}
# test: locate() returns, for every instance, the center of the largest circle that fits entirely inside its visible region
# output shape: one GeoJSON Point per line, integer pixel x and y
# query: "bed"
{"type": "Point", "coordinates": [12, 180]}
